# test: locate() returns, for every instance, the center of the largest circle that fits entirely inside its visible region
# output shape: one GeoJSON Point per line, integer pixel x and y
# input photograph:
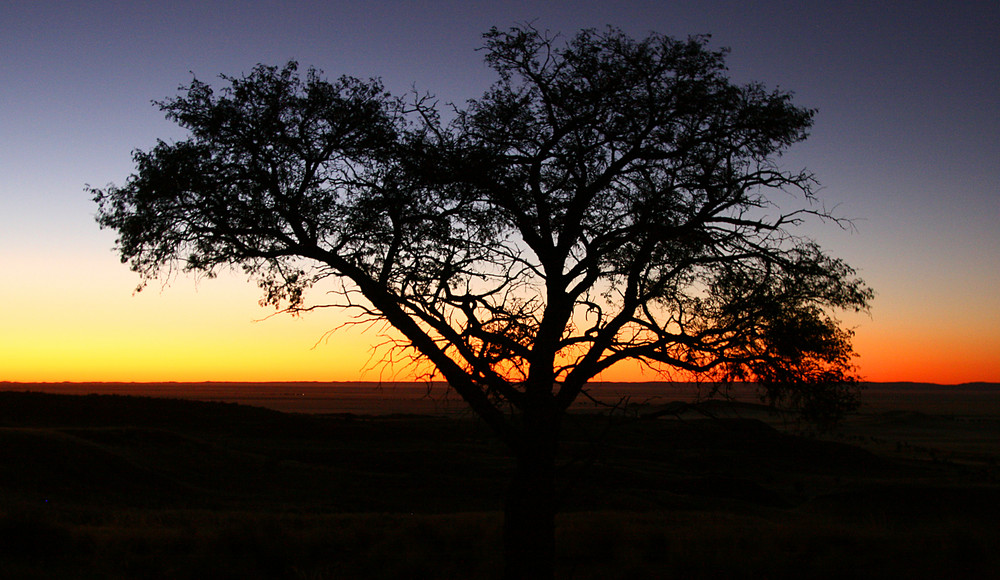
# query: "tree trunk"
{"type": "Point", "coordinates": [529, 517]}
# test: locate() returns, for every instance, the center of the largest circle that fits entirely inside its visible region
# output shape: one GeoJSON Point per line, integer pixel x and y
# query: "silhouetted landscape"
{"type": "Point", "coordinates": [518, 200]}
{"type": "Point", "coordinates": [116, 486]}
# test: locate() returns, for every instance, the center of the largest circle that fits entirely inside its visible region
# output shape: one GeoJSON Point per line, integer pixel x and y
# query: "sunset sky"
{"type": "Point", "coordinates": [906, 142]}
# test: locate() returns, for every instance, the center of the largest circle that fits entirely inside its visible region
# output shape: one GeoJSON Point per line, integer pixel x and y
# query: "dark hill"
{"type": "Point", "coordinates": [111, 450]}
{"type": "Point", "coordinates": [130, 487]}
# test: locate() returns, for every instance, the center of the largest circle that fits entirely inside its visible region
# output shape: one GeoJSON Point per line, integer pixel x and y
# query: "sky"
{"type": "Point", "coordinates": [906, 142]}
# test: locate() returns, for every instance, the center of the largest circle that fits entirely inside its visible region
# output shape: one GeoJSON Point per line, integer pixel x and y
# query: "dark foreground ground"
{"type": "Point", "coordinates": [104, 486]}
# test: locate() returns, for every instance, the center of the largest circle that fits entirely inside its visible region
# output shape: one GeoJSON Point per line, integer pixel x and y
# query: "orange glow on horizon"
{"type": "Point", "coordinates": [284, 349]}
{"type": "Point", "coordinates": [214, 330]}
{"type": "Point", "coordinates": [907, 355]}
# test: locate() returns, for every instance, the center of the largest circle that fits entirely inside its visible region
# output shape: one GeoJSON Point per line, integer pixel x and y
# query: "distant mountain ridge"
{"type": "Point", "coordinates": [975, 386]}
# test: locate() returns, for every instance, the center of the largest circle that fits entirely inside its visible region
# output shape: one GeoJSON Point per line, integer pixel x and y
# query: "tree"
{"type": "Point", "coordinates": [606, 200]}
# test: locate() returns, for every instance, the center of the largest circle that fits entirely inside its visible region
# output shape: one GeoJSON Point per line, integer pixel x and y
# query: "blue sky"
{"type": "Point", "coordinates": [906, 141]}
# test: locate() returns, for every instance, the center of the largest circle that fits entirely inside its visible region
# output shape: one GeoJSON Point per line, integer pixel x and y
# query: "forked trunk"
{"type": "Point", "coordinates": [529, 517]}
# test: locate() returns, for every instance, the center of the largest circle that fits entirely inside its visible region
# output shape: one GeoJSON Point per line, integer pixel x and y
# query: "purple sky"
{"type": "Point", "coordinates": [907, 139]}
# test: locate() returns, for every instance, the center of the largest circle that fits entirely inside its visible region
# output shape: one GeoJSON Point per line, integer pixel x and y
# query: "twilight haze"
{"type": "Point", "coordinates": [906, 142]}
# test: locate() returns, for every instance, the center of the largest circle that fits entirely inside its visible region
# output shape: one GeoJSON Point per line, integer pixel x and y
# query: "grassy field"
{"type": "Point", "coordinates": [110, 486]}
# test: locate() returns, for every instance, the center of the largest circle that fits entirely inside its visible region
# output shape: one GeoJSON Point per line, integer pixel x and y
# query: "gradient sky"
{"type": "Point", "coordinates": [907, 142]}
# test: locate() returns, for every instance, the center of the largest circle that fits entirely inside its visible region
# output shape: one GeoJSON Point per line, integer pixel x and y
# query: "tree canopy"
{"type": "Point", "coordinates": [607, 199]}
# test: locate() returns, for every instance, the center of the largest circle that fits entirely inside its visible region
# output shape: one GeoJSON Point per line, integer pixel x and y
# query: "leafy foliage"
{"type": "Point", "coordinates": [607, 199]}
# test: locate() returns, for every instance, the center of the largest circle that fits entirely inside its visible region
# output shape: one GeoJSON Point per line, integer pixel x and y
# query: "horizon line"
{"type": "Point", "coordinates": [442, 381]}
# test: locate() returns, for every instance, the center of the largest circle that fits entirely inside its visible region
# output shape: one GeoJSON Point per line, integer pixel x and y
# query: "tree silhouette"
{"type": "Point", "coordinates": [607, 199]}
